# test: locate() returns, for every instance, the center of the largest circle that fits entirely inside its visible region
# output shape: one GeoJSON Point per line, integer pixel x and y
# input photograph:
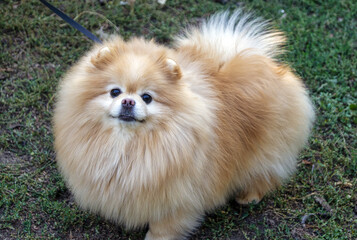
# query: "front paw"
{"type": "Point", "coordinates": [152, 236]}
{"type": "Point", "coordinates": [251, 197]}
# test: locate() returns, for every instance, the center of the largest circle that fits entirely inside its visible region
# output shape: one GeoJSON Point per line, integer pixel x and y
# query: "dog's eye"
{"type": "Point", "coordinates": [115, 92]}
{"type": "Point", "coordinates": [146, 98]}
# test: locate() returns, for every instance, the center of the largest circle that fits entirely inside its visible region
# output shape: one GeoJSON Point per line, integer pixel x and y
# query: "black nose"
{"type": "Point", "coordinates": [128, 103]}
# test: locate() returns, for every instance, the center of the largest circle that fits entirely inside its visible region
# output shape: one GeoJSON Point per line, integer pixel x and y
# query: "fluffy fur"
{"type": "Point", "coordinates": [225, 119]}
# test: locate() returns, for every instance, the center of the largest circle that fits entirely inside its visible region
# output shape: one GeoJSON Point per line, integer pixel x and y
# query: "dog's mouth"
{"type": "Point", "coordinates": [128, 118]}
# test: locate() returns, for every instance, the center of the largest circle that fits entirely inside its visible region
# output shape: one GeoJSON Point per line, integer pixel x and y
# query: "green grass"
{"type": "Point", "coordinates": [38, 47]}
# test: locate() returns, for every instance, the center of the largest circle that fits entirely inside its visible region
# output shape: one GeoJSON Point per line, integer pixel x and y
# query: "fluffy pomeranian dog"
{"type": "Point", "coordinates": [147, 134]}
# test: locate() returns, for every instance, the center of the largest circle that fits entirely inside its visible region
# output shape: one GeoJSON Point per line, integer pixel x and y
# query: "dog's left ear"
{"type": "Point", "coordinates": [170, 67]}
{"type": "Point", "coordinates": [173, 68]}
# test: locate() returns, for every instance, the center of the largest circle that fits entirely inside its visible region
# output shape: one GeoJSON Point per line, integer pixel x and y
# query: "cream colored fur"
{"type": "Point", "coordinates": [226, 119]}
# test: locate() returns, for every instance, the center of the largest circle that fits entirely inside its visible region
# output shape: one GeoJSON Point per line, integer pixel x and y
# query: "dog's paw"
{"type": "Point", "coordinates": [151, 236]}
{"type": "Point", "coordinates": [248, 198]}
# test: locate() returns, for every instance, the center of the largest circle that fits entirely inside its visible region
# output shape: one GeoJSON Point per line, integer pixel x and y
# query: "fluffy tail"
{"type": "Point", "coordinates": [225, 35]}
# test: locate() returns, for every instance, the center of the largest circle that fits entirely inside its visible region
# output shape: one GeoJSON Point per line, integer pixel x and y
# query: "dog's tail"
{"type": "Point", "coordinates": [224, 36]}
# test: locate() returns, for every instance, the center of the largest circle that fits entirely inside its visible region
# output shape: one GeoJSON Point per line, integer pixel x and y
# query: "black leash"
{"type": "Point", "coordinates": [71, 22]}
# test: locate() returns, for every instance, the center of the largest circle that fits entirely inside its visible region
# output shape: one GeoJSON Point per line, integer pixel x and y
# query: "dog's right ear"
{"type": "Point", "coordinates": [102, 57]}
{"type": "Point", "coordinates": [104, 54]}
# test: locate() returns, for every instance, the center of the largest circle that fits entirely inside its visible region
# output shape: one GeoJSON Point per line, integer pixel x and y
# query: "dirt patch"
{"type": "Point", "coordinates": [10, 158]}
{"type": "Point", "coordinates": [254, 223]}
{"type": "Point", "coordinates": [9, 234]}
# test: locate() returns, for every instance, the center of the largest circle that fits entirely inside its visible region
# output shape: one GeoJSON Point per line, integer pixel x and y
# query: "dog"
{"type": "Point", "coordinates": [147, 134]}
